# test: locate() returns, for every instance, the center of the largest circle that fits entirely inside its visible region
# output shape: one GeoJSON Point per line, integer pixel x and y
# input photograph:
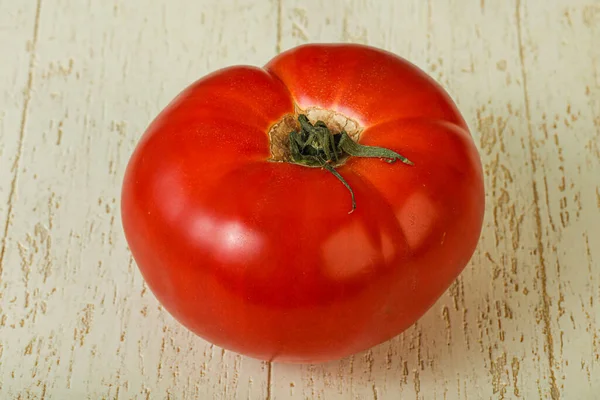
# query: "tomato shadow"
{"type": "Point", "coordinates": [468, 325]}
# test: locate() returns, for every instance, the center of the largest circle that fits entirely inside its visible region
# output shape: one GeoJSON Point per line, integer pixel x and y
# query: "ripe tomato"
{"type": "Point", "coordinates": [254, 249]}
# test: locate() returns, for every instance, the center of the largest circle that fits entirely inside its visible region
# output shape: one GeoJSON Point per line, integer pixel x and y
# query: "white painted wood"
{"type": "Point", "coordinates": [77, 321]}
{"type": "Point", "coordinates": [16, 32]}
{"type": "Point", "coordinates": [83, 79]}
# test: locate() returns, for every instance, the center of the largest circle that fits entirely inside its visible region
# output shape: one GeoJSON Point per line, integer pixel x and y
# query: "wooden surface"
{"type": "Point", "coordinates": [79, 82]}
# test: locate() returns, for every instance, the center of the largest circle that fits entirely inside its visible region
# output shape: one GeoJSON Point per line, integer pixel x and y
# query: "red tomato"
{"type": "Point", "coordinates": [263, 257]}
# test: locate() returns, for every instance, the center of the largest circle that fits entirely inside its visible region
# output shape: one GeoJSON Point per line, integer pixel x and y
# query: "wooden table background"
{"type": "Point", "coordinates": [79, 82]}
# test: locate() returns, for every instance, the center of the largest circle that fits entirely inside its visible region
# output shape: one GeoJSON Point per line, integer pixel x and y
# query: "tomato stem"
{"type": "Point", "coordinates": [316, 146]}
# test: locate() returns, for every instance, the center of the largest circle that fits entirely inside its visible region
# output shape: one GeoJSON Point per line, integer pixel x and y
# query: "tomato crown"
{"type": "Point", "coordinates": [315, 145]}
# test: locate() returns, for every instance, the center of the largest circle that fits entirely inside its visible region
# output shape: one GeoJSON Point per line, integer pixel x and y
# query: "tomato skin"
{"type": "Point", "coordinates": [262, 258]}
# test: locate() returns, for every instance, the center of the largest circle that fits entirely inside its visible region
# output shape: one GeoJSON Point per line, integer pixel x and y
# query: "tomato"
{"type": "Point", "coordinates": [263, 252]}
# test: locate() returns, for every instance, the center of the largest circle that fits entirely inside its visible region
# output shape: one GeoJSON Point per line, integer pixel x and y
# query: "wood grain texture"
{"type": "Point", "coordinates": [83, 80]}
{"type": "Point", "coordinates": [77, 320]}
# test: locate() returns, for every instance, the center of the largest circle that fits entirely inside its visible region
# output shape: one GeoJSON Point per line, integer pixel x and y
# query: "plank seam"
{"type": "Point", "coordinates": [279, 26]}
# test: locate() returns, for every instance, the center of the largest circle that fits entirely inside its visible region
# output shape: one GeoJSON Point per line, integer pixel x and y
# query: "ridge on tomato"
{"type": "Point", "coordinates": [260, 210]}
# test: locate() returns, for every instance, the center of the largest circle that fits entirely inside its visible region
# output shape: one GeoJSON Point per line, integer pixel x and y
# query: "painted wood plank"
{"type": "Point", "coordinates": [18, 41]}
{"type": "Point", "coordinates": [78, 322]}
{"type": "Point", "coordinates": [559, 47]}
{"type": "Point", "coordinates": [492, 335]}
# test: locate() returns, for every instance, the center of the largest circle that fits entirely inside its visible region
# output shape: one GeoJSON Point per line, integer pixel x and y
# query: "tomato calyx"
{"type": "Point", "coordinates": [315, 145]}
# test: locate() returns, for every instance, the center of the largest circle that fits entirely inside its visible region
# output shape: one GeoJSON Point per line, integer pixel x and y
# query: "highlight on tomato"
{"type": "Point", "coordinates": [307, 210]}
